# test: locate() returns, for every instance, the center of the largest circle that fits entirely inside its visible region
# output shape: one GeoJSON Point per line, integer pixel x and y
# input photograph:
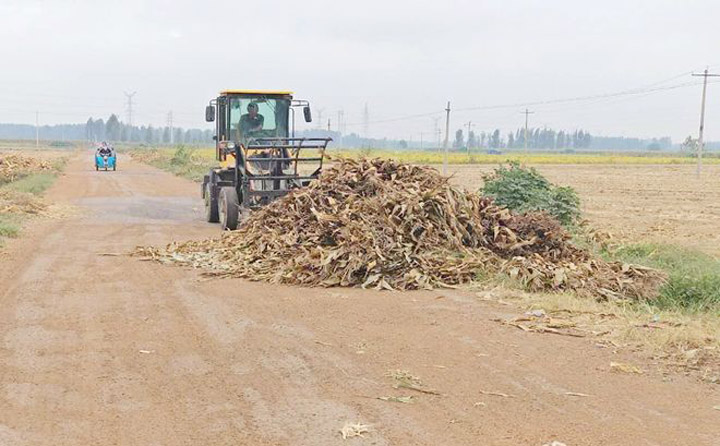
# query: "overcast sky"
{"type": "Point", "coordinates": [74, 59]}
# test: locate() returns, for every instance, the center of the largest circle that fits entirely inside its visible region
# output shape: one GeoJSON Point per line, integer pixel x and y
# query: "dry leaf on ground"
{"type": "Point", "coordinates": [626, 368]}
{"type": "Point", "coordinates": [350, 430]}
{"type": "Point", "coordinates": [397, 399]}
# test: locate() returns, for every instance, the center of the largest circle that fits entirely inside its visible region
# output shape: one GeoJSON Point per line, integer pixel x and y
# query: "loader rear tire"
{"type": "Point", "coordinates": [211, 205]}
{"type": "Point", "coordinates": [229, 208]}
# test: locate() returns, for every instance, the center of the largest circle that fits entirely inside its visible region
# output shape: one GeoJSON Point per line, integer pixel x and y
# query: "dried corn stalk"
{"type": "Point", "coordinates": [387, 225]}
{"type": "Point", "coordinates": [14, 166]}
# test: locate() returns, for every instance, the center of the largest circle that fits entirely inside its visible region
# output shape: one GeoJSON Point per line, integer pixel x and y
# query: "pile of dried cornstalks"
{"type": "Point", "coordinates": [14, 166]}
{"type": "Point", "coordinates": [382, 224]}
{"type": "Point", "coordinates": [12, 202]}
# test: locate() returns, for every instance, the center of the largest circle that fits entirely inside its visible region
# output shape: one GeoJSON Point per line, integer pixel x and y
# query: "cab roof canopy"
{"type": "Point", "coordinates": [266, 92]}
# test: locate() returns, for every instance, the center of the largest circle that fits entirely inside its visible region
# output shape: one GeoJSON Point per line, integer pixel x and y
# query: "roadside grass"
{"type": "Point", "coordinates": [693, 277]}
{"type": "Point", "coordinates": [9, 226]}
{"type": "Point", "coordinates": [35, 184]}
{"type": "Point", "coordinates": [681, 326]}
{"type": "Point", "coordinates": [21, 198]}
{"type": "Point", "coordinates": [182, 161]}
{"type": "Point", "coordinates": [684, 341]}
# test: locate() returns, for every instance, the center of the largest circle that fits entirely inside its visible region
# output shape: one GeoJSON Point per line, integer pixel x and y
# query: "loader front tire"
{"type": "Point", "coordinates": [229, 208]}
{"type": "Point", "coordinates": [211, 205]}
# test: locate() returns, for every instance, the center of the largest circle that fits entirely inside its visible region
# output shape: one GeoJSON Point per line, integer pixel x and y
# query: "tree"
{"type": "Point", "coordinates": [89, 130]}
{"type": "Point", "coordinates": [178, 138]}
{"type": "Point", "coordinates": [124, 133]}
{"type": "Point", "coordinates": [112, 128]}
{"type": "Point", "coordinates": [459, 139]}
{"type": "Point", "coordinates": [511, 140]}
{"type": "Point", "coordinates": [149, 136]}
{"type": "Point", "coordinates": [495, 140]}
{"type": "Point", "coordinates": [691, 145]}
{"type": "Point", "coordinates": [99, 129]}
{"type": "Point", "coordinates": [166, 135]}
{"type": "Point", "coordinates": [472, 140]}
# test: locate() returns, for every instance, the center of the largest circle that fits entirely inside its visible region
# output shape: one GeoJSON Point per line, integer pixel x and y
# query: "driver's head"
{"type": "Point", "coordinates": [252, 109]}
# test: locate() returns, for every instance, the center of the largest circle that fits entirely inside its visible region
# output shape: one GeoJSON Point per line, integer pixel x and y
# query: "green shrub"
{"type": "Point", "coordinates": [523, 189]}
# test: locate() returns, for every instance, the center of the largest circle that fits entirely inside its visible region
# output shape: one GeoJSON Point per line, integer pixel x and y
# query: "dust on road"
{"type": "Point", "coordinates": [106, 350]}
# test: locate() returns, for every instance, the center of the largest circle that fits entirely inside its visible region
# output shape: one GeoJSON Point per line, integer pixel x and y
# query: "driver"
{"type": "Point", "coordinates": [252, 121]}
{"type": "Point", "coordinates": [105, 149]}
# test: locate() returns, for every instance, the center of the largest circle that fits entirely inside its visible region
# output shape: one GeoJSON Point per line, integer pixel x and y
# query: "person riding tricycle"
{"type": "Point", "coordinates": [105, 157]}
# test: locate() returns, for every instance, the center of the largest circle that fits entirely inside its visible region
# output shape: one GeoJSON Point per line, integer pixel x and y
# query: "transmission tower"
{"type": "Point", "coordinates": [129, 107]}
{"type": "Point", "coordinates": [170, 126]}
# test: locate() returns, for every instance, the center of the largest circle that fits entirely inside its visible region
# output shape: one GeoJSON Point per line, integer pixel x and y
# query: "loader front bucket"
{"type": "Point", "coordinates": [275, 166]}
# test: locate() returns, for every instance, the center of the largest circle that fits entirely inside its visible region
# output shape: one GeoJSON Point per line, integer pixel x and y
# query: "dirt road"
{"type": "Point", "coordinates": [108, 350]}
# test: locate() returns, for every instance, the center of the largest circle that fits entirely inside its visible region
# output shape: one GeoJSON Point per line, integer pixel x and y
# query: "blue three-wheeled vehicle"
{"type": "Point", "coordinates": [105, 157]}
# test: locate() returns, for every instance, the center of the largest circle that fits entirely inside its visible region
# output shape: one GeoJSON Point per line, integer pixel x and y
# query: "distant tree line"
{"type": "Point", "coordinates": [537, 138]}
{"type": "Point", "coordinates": [622, 143]}
{"type": "Point", "coordinates": [115, 130]}
{"type": "Point", "coordinates": [60, 132]}
{"type": "Point", "coordinates": [111, 130]}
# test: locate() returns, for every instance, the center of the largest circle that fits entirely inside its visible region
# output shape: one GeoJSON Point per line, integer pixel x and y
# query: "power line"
{"type": "Point", "coordinates": [583, 98]}
{"type": "Point", "coordinates": [631, 92]}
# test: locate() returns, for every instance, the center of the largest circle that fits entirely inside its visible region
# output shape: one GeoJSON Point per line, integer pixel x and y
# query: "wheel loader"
{"type": "Point", "coordinates": [260, 157]}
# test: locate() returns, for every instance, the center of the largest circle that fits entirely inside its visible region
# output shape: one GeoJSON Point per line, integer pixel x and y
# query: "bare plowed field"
{"type": "Point", "coordinates": [653, 203]}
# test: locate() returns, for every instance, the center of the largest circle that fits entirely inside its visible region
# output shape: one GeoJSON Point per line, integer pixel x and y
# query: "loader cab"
{"type": "Point", "coordinates": [260, 157]}
{"type": "Point", "coordinates": [244, 115]}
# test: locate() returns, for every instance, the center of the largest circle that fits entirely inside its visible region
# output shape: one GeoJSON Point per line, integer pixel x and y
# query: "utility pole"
{"type": "Point", "coordinates": [421, 140]}
{"type": "Point", "coordinates": [701, 142]}
{"type": "Point", "coordinates": [129, 97]}
{"type": "Point", "coordinates": [328, 125]}
{"type": "Point", "coordinates": [527, 112]}
{"type": "Point", "coordinates": [445, 144]}
{"type": "Point", "coordinates": [37, 130]}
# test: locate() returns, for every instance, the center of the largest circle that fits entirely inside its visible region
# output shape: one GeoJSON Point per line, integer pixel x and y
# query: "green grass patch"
{"type": "Point", "coordinates": [34, 184]}
{"type": "Point", "coordinates": [693, 277]}
{"type": "Point", "coordinates": [183, 161]}
{"type": "Point", "coordinates": [19, 193]}
{"type": "Point", "coordinates": [9, 226]}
